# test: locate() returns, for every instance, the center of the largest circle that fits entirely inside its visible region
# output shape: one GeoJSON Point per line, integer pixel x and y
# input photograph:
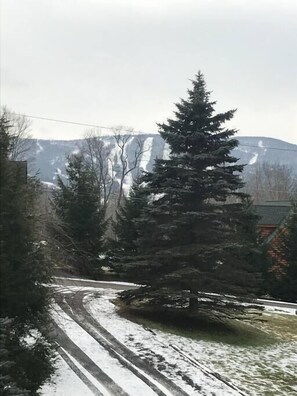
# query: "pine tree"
{"type": "Point", "coordinates": [124, 246]}
{"type": "Point", "coordinates": [192, 236]}
{"type": "Point", "coordinates": [24, 273]}
{"type": "Point", "coordinates": [77, 205]}
{"type": "Point", "coordinates": [285, 285]}
{"type": "Point", "coordinates": [7, 385]}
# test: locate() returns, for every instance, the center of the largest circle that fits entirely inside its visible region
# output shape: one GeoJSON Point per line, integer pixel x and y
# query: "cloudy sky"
{"type": "Point", "coordinates": [126, 62]}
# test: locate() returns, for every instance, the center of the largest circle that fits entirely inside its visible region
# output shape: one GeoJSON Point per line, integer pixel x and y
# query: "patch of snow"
{"type": "Point", "coordinates": [100, 356]}
{"type": "Point", "coordinates": [39, 147]}
{"type": "Point", "coordinates": [146, 155]}
{"type": "Point", "coordinates": [166, 151]}
{"type": "Point", "coordinates": [261, 145]}
{"type": "Point", "coordinates": [65, 382]}
{"type": "Point", "coordinates": [157, 347]}
{"type": "Point", "coordinates": [280, 310]}
{"type": "Point", "coordinates": [75, 151]}
{"type": "Point", "coordinates": [253, 160]}
{"type": "Point", "coordinates": [49, 185]}
{"type": "Point", "coordinates": [102, 256]}
{"type": "Point", "coordinates": [112, 163]}
{"type": "Point", "coordinates": [59, 172]}
{"type": "Point", "coordinates": [98, 282]}
{"type": "Point", "coordinates": [128, 181]}
{"type": "Point", "coordinates": [238, 364]}
{"type": "Point", "coordinates": [277, 302]}
{"type": "Point", "coordinates": [156, 197]}
{"type": "Point", "coordinates": [88, 375]}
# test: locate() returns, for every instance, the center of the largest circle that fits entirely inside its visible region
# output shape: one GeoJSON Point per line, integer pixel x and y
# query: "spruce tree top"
{"type": "Point", "coordinates": [195, 118]}
{"type": "Point", "coordinates": [201, 144]}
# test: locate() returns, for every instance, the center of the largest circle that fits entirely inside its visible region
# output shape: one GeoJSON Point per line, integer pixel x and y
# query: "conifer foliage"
{"type": "Point", "coordinates": [124, 245]}
{"type": "Point", "coordinates": [78, 206]}
{"type": "Point", "coordinates": [26, 353]}
{"type": "Point", "coordinates": [193, 237]}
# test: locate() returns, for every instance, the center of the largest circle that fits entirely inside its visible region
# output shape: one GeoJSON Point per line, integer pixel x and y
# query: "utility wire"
{"type": "Point", "coordinates": [112, 129]}
{"type": "Point", "coordinates": [268, 147]}
{"type": "Point", "coordinates": [68, 122]}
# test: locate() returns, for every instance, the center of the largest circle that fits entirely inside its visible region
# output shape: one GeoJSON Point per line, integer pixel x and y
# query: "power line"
{"type": "Point", "coordinates": [68, 122]}
{"type": "Point", "coordinates": [269, 148]}
{"type": "Point", "coordinates": [112, 129]}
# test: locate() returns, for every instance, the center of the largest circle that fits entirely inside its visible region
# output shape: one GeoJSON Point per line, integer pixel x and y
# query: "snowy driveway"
{"type": "Point", "coordinates": [105, 354]}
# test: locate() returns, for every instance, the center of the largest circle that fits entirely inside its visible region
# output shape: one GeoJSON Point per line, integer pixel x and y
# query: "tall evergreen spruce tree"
{"type": "Point", "coordinates": [24, 272]}
{"type": "Point", "coordinates": [197, 234]}
{"type": "Point", "coordinates": [285, 285]}
{"type": "Point", "coordinates": [124, 245]}
{"type": "Point", "coordinates": [77, 205]}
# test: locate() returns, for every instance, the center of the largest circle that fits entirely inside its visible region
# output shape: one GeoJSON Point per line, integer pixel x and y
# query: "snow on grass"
{"type": "Point", "coordinates": [99, 282]}
{"type": "Point", "coordinates": [65, 383]}
{"type": "Point", "coordinates": [100, 356]}
{"type": "Point", "coordinates": [280, 310]}
{"type": "Point", "coordinates": [155, 349]}
{"type": "Point", "coordinates": [267, 368]}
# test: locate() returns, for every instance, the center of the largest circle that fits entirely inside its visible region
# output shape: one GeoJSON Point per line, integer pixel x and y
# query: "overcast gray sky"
{"type": "Point", "coordinates": [126, 62]}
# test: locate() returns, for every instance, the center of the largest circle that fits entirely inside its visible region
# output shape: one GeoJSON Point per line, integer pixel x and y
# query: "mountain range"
{"type": "Point", "coordinates": [47, 158]}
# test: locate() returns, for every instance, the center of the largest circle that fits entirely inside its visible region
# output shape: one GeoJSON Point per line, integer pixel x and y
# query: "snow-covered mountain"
{"type": "Point", "coordinates": [48, 157]}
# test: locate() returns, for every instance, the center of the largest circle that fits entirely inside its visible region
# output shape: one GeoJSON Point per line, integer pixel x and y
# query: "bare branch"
{"type": "Point", "coordinates": [272, 182]}
{"type": "Point", "coordinates": [20, 129]}
{"type": "Point", "coordinates": [98, 154]}
{"type": "Point", "coordinates": [122, 141]}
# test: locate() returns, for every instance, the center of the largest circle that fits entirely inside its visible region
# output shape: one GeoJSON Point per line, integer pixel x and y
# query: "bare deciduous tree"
{"type": "Point", "coordinates": [127, 164]}
{"type": "Point", "coordinates": [272, 182]}
{"type": "Point", "coordinates": [99, 156]}
{"type": "Point", "coordinates": [20, 134]}
{"type": "Point", "coordinates": [58, 244]}
{"type": "Point", "coordinates": [111, 162]}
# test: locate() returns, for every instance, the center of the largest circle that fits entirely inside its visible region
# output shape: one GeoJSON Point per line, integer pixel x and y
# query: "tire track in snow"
{"type": "Point", "coordinates": [65, 342]}
{"type": "Point", "coordinates": [79, 373]}
{"type": "Point", "coordinates": [161, 385]}
{"type": "Point", "coordinates": [213, 375]}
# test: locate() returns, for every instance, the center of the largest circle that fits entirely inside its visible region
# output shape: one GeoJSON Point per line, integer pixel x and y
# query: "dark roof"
{"type": "Point", "coordinates": [273, 212]}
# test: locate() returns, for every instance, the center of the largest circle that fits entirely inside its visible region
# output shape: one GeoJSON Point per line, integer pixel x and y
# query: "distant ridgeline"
{"type": "Point", "coordinates": [47, 158]}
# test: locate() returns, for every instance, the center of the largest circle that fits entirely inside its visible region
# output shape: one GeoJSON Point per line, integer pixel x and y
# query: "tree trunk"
{"type": "Point", "coordinates": [193, 302]}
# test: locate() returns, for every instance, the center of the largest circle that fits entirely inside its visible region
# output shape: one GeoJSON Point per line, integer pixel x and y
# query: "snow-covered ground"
{"type": "Point", "coordinates": [158, 348]}
{"type": "Point", "coordinates": [65, 383]}
{"type": "Point", "coordinates": [243, 366]}
{"type": "Point", "coordinates": [193, 365]}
